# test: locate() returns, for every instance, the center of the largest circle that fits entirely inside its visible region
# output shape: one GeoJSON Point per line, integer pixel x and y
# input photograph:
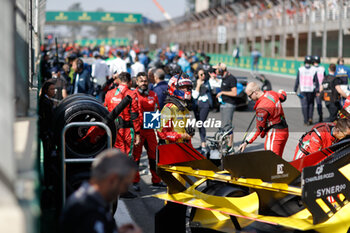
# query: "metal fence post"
{"type": "Point", "coordinates": [87, 160]}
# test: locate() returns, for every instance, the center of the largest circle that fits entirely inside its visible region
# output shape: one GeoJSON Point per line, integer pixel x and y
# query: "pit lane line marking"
{"type": "Point", "coordinates": [263, 72]}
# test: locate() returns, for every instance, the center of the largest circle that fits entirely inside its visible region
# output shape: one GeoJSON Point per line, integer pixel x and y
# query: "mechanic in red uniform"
{"type": "Point", "coordinates": [148, 102]}
{"type": "Point", "coordinates": [321, 136]}
{"type": "Point", "coordinates": [128, 124]}
{"type": "Point", "coordinates": [270, 119]}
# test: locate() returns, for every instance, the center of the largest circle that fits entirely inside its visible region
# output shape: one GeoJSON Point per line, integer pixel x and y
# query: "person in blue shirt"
{"type": "Point", "coordinates": [194, 57]}
{"type": "Point", "coordinates": [184, 63]}
{"type": "Point", "coordinates": [82, 82]}
{"type": "Point", "coordinates": [343, 73]}
{"type": "Point", "coordinates": [169, 54]}
{"type": "Point", "coordinates": [144, 59]}
{"type": "Point", "coordinates": [160, 87]}
{"type": "Point", "coordinates": [255, 59]}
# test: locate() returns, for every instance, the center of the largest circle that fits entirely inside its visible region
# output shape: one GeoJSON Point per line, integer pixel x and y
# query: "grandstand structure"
{"type": "Point", "coordinates": [277, 28]}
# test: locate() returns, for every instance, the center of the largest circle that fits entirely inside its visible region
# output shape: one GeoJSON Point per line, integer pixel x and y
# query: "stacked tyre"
{"type": "Point", "coordinates": [80, 108]}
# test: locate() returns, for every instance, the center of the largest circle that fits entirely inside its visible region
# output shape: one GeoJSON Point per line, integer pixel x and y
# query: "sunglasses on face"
{"type": "Point", "coordinates": [250, 96]}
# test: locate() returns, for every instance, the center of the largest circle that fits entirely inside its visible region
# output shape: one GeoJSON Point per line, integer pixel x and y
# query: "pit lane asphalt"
{"type": "Point", "coordinates": [143, 209]}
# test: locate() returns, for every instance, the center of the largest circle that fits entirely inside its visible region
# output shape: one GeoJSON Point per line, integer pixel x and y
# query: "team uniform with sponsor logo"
{"type": "Point", "coordinates": [127, 123]}
{"type": "Point", "coordinates": [318, 138]}
{"type": "Point", "coordinates": [175, 113]}
{"type": "Point", "coordinates": [270, 120]}
{"type": "Point", "coordinates": [148, 102]}
{"type": "Point", "coordinates": [173, 123]}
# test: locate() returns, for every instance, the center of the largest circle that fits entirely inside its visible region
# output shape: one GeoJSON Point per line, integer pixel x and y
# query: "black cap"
{"type": "Point", "coordinates": [308, 60]}
{"type": "Point", "coordinates": [316, 59]}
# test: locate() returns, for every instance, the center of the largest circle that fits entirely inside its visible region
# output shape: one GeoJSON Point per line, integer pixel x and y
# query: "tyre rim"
{"type": "Point", "coordinates": [74, 135]}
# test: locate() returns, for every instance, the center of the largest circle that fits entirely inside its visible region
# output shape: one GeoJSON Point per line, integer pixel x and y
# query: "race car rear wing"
{"type": "Point", "coordinates": [264, 165]}
{"type": "Point", "coordinates": [326, 187]}
{"type": "Point", "coordinates": [184, 160]}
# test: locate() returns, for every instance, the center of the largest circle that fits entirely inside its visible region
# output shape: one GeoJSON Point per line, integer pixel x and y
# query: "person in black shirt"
{"type": "Point", "coordinates": [203, 102]}
{"type": "Point", "coordinates": [88, 209]}
{"type": "Point", "coordinates": [331, 91]}
{"type": "Point", "coordinates": [45, 68]}
{"type": "Point", "coordinates": [174, 68]}
{"type": "Point", "coordinates": [45, 128]}
{"type": "Point", "coordinates": [227, 97]}
{"type": "Point", "coordinates": [60, 85]}
{"type": "Point", "coordinates": [65, 74]}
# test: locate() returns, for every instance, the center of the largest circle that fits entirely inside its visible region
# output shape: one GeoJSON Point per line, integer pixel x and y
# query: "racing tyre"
{"type": "Point", "coordinates": [70, 99]}
{"type": "Point", "coordinates": [75, 97]}
{"type": "Point", "coordinates": [84, 110]}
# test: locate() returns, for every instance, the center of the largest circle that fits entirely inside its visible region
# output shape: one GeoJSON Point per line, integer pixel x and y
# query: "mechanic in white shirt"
{"type": "Point", "coordinates": [137, 67]}
{"type": "Point", "coordinates": [118, 64]}
{"type": "Point", "coordinates": [99, 69]}
{"type": "Point", "coordinates": [100, 73]}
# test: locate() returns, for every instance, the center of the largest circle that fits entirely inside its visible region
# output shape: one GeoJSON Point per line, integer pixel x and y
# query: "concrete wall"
{"type": "Point", "coordinates": [18, 123]}
{"type": "Point", "coordinates": [7, 67]}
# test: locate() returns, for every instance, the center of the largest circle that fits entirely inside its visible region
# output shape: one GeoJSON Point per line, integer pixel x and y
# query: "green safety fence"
{"type": "Point", "coordinates": [270, 65]}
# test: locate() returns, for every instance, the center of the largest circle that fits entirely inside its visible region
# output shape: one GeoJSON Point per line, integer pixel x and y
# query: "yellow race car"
{"type": "Point", "coordinates": [256, 190]}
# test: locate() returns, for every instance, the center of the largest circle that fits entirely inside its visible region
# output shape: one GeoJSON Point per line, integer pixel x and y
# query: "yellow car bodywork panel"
{"type": "Point", "coordinates": [218, 209]}
{"type": "Point", "coordinates": [225, 177]}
